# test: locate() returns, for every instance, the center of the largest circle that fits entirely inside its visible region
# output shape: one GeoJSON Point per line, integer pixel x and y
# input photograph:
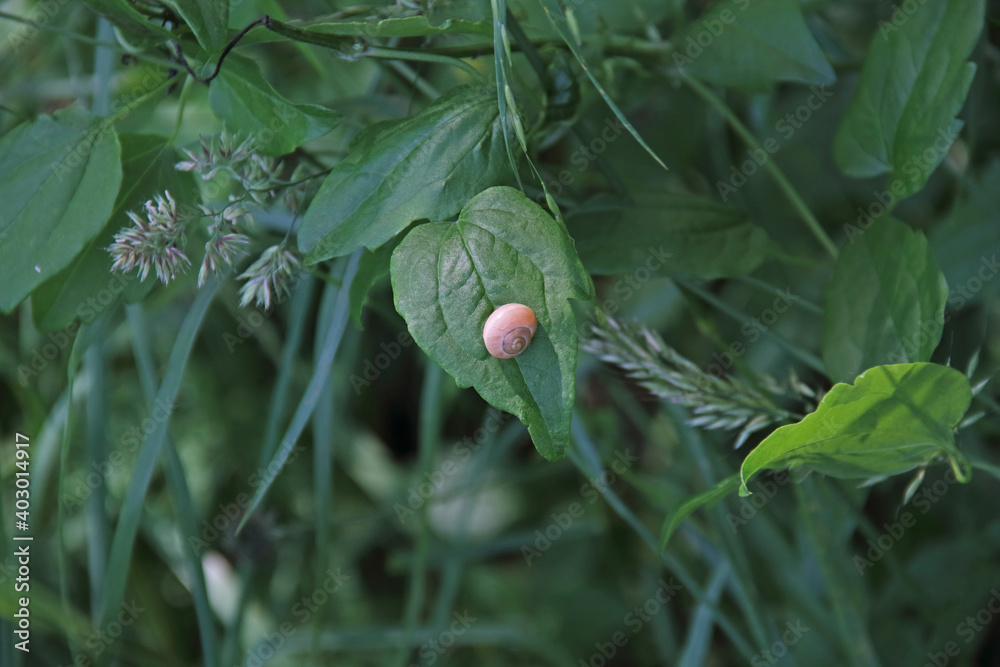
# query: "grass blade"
{"type": "Point", "coordinates": [707, 497]}
{"type": "Point", "coordinates": [322, 462]}
{"type": "Point", "coordinates": [296, 325]}
{"type": "Point", "coordinates": [311, 397]}
{"type": "Point", "coordinates": [558, 20]}
{"type": "Point", "coordinates": [700, 635]}
{"type": "Point", "coordinates": [96, 365]}
{"type": "Point", "coordinates": [501, 63]}
{"type": "Point", "coordinates": [585, 457]}
{"type": "Point", "coordinates": [149, 453]}
{"type": "Point", "coordinates": [177, 481]}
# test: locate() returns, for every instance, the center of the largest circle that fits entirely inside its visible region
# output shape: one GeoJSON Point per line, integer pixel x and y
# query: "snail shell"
{"type": "Point", "coordinates": [509, 329]}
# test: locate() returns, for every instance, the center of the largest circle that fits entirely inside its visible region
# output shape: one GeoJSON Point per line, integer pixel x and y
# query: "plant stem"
{"type": "Point", "coordinates": [779, 176]}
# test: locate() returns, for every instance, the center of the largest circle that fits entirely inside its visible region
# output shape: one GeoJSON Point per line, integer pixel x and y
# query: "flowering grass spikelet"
{"type": "Point", "coordinates": [152, 243]}
{"type": "Point", "coordinates": [223, 244]}
{"type": "Point", "coordinates": [715, 402]}
{"type": "Point", "coordinates": [269, 277]}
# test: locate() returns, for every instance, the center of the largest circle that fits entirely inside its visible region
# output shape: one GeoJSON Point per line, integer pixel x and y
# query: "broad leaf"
{"type": "Point", "coordinates": [914, 82]}
{"type": "Point", "coordinates": [87, 286]}
{"type": "Point", "coordinates": [61, 175]}
{"type": "Point", "coordinates": [372, 267]}
{"type": "Point", "coordinates": [423, 167]}
{"type": "Point", "coordinates": [885, 302]}
{"type": "Point", "coordinates": [133, 26]}
{"type": "Point", "coordinates": [447, 277]}
{"type": "Point", "coordinates": [752, 45]}
{"type": "Point", "coordinates": [243, 98]}
{"type": "Point", "coordinates": [966, 242]}
{"type": "Point", "coordinates": [675, 235]}
{"type": "Point", "coordinates": [208, 20]}
{"type": "Point", "coordinates": [893, 419]}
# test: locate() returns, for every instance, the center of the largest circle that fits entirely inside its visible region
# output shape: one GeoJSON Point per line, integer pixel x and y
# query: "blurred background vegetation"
{"type": "Point", "coordinates": [414, 524]}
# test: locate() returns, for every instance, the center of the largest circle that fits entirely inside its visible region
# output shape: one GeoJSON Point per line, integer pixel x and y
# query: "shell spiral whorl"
{"type": "Point", "coordinates": [509, 329]}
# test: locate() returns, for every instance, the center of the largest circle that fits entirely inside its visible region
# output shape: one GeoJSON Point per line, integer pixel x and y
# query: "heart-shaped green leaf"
{"type": "Point", "coordinates": [885, 302]}
{"type": "Point", "coordinates": [448, 277]}
{"type": "Point", "coordinates": [423, 167]}
{"type": "Point", "coordinates": [242, 97]}
{"type": "Point", "coordinates": [61, 175]}
{"type": "Point", "coordinates": [914, 82]}
{"type": "Point", "coordinates": [676, 235]}
{"type": "Point", "coordinates": [893, 419]}
{"type": "Point", "coordinates": [752, 45]}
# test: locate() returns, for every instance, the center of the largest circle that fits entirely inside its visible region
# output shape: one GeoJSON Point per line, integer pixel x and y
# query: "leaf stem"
{"type": "Point", "coordinates": [779, 176]}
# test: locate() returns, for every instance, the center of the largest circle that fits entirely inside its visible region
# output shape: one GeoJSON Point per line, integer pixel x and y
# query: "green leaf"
{"type": "Point", "coordinates": [373, 266]}
{"type": "Point", "coordinates": [87, 286]}
{"type": "Point", "coordinates": [423, 167]}
{"type": "Point", "coordinates": [243, 98]}
{"type": "Point", "coordinates": [705, 498]}
{"type": "Point", "coordinates": [752, 45]}
{"type": "Point", "coordinates": [408, 26]}
{"type": "Point", "coordinates": [885, 302]}
{"type": "Point", "coordinates": [133, 26]}
{"type": "Point", "coordinates": [893, 419]}
{"type": "Point", "coordinates": [448, 277]}
{"type": "Point", "coordinates": [914, 82]}
{"type": "Point", "coordinates": [208, 20]}
{"type": "Point", "coordinates": [676, 235]}
{"type": "Point", "coordinates": [61, 175]}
